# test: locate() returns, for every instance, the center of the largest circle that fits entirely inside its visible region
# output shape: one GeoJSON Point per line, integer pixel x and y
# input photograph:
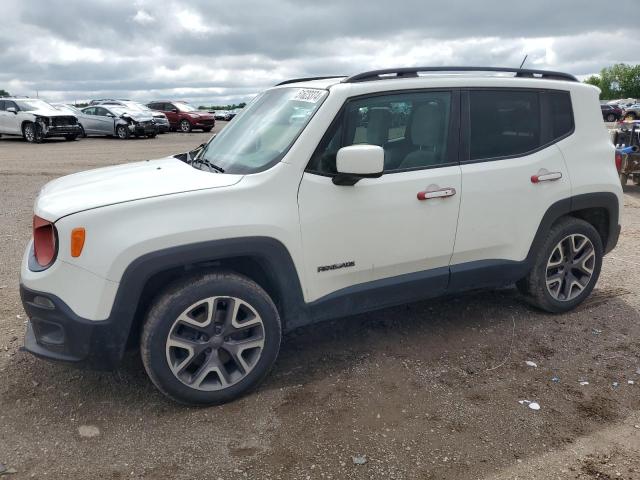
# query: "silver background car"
{"type": "Point", "coordinates": [116, 120]}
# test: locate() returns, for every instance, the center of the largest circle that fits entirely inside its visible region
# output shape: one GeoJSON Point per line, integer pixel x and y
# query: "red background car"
{"type": "Point", "coordinates": [184, 117]}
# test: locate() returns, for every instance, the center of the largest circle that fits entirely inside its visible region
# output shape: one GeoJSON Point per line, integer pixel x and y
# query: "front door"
{"type": "Point", "coordinates": [401, 223]}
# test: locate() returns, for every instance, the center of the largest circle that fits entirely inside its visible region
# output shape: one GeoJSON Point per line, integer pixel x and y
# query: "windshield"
{"type": "Point", "coordinates": [264, 131]}
{"type": "Point", "coordinates": [185, 107]}
{"type": "Point", "coordinates": [30, 105]}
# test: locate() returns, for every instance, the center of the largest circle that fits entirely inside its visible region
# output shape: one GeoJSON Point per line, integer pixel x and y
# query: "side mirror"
{"type": "Point", "coordinates": [358, 161]}
{"type": "Point", "coordinates": [111, 115]}
{"type": "Point", "coordinates": [174, 110]}
{"type": "Point", "coordinates": [12, 110]}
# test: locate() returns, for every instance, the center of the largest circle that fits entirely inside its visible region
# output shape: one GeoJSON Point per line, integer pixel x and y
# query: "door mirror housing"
{"type": "Point", "coordinates": [111, 115]}
{"type": "Point", "coordinates": [12, 110]}
{"type": "Point", "coordinates": [358, 161]}
{"type": "Point", "coordinates": [174, 110]}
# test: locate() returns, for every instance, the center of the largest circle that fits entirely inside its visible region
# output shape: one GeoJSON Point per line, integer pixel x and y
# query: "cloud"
{"type": "Point", "coordinates": [211, 52]}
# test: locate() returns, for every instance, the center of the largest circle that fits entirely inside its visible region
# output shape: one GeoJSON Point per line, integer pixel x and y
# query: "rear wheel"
{"type": "Point", "coordinates": [185, 126]}
{"type": "Point", "coordinates": [566, 268]}
{"type": "Point", "coordinates": [209, 339]}
{"type": "Point", "coordinates": [122, 132]}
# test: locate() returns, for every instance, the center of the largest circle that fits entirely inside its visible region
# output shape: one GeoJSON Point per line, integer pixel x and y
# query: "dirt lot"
{"type": "Point", "coordinates": [425, 391]}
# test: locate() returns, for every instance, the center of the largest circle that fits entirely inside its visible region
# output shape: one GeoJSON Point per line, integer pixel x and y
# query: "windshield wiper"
{"type": "Point", "coordinates": [204, 162]}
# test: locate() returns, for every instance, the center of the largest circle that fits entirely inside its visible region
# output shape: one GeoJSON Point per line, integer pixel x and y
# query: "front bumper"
{"type": "Point", "coordinates": [143, 129]}
{"type": "Point", "coordinates": [62, 130]}
{"type": "Point", "coordinates": [55, 332]}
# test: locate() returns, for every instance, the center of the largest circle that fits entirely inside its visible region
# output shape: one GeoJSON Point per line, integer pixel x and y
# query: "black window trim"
{"type": "Point", "coordinates": [453, 140]}
{"type": "Point", "coordinates": [465, 123]}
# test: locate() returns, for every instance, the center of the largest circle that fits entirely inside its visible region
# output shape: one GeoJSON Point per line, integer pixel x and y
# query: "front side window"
{"type": "Point", "coordinates": [412, 128]}
{"type": "Point", "coordinates": [503, 123]}
{"type": "Point", "coordinates": [263, 132]}
{"type": "Point", "coordinates": [185, 107]}
{"type": "Point", "coordinates": [31, 105]}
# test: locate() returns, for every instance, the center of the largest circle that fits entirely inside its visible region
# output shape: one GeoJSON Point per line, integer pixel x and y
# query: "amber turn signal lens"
{"type": "Point", "coordinates": [77, 241]}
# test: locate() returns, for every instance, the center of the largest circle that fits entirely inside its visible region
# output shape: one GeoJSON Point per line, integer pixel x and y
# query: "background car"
{"type": "Point", "coordinates": [184, 117]}
{"type": "Point", "coordinates": [116, 120]}
{"type": "Point", "coordinates": [632, 112]}
{"type": "Point", "coordinates": [35, 120]}
{"type": "Point", "coordinates": [611, 113]}
{"type": "Point", "coordinates": [161, 120]}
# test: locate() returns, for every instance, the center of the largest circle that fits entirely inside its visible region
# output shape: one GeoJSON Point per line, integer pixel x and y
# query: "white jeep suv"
{"type": "Point", "coordinates": [35, 120]}
{"type": "Point", "coordinates": [324, 198]}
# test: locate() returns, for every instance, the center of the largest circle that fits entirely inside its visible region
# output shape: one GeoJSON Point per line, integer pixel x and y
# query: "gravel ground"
{"type": "Point", "coordinates": [424, 391]}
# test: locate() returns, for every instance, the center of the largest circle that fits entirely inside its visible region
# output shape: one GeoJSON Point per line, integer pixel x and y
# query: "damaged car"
{"type": "Point", "coordinates": [118, 121]}
{"type": "Point", "coordinates": [35, 120]}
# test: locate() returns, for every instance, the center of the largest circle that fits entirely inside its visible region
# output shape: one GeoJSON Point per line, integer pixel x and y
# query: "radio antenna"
{"type": "Point", "coordinates": [524, 60]}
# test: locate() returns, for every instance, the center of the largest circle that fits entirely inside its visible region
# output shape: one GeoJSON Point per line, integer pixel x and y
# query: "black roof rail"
{"type": "Point", "coordinates": [308, 79]}
{"type": "Point", "coordinates": [413, 72]}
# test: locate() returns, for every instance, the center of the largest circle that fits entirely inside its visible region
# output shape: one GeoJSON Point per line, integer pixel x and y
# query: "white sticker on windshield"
{"type": "Point", "coordinates": [308, 95]}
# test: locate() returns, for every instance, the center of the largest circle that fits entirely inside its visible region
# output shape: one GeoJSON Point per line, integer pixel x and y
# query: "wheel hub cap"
{"type": "Point", "coordinates": [570, 267]}
{"type": "Point", "coordinates": [215, 343]}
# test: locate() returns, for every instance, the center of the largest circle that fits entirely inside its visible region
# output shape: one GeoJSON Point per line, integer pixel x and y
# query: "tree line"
{"type": "Point", "coordinates": [617, 81]}
{"type": "Point", "coordinates": [234, 106]}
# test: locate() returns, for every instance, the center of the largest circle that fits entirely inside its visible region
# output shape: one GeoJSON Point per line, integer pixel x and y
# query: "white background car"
{"type": "Point", "coordinates": [35, 120]}
{"type": "Point", "coordinates": [324, 198]}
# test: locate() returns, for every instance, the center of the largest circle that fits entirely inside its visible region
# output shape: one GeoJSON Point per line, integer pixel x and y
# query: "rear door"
{"type": "Point", "coordinates": [168, 109]}
{"type": "Point", "coordinates": [10, 121]}
{"type": "Point", "coordinates": [512, 172]}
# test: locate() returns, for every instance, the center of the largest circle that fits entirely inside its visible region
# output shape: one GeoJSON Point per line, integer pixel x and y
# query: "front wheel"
{"type": "Point", "coordinates": [32, 133]}
{"type": "Point", "coordinates": [152, 135]}
{"type": "Point", "coordinates": [611, 117]}
{"type": "Point", "coordinates": [185, 126]}
{"type": "Point", "coordinates": [210, 339]}
{"type": "Point", "coordinates": [566, 267]}
{"type": "Point", "coordinates": [122, 132]}
{"type": "Point", "coordinates": [70, 138]}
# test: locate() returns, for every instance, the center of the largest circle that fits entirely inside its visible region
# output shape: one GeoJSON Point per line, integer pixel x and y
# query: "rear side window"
{"type": "Point", "coordinates": [507, 123]}
{"type": "Point", "coordinates": [560, 114]}
{"type": "Point", "coordinates": [503, 123]}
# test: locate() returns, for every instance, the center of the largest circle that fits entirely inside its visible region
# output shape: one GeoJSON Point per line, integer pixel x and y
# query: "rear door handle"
{"type": "Point", "coordinates": [440, 193]}
{"type": "Point", "coordinates": [546, 177]}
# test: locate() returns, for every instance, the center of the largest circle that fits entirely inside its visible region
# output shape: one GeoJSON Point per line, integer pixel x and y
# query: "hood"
{"type": "Point", "coordinates": [138, 116]}
{"type": "Point", "coordinates": [124, 183]}
{"type": "Point", "coordinates": [51, 112]}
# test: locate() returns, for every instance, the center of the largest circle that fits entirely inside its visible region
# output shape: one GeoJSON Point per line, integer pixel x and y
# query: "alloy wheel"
{"type": "Point", "coordinates": [570, 267]}
{"type": "Point", "coordinates": [185, 126]}
{"type": "Point", "coordinates": [30, 132]}
{"type": "Point", "coordinates": [215, 343]}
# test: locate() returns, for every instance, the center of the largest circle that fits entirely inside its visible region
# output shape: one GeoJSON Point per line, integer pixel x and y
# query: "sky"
{"type": "Point", "coordinates": [213, 52]}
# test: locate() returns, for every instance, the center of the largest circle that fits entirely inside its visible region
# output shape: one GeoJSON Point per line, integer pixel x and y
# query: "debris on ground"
{"type": "Point", "coordinates": [584, 382]}
{"type": "Point", "coordinates": [530, 404]}
{"type": "Point", "coordinates": [359, 459]}
{"type": "Point", "coordinates": [88, 431]}
{"type": "Point", "coordinates": [555, 379]}
{"type": "Point", "coordinates": [531, 364]}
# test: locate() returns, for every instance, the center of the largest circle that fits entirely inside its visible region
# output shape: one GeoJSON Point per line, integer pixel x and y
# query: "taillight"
{"type": "Point", "coordinates": [44, 241]}
{"type": "Point", "coordinates": [618, 161]}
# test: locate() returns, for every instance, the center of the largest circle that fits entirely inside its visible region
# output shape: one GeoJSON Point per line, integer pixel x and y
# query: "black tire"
{"type": "Point", "coordinates": [177, 299]}
{"type": "Point", "coordinates": [534, 285]}
{"type": "Point", "coordinates": [70, 138]}
{"type": "Point", "coordinates": [636, 179]}
{"type": "Point", "coordinates": [185, 126]}
{"type": "Point", "coordinates": [624, 178]}
{"type": "Point", "coordinates": [122, 132]}
{"type": "Point", "coordinates": [83, 134]}
{"type": "Point", "coordinates": [152, 135]}
{"type": "Point", "coordinates": [32, 132]}
{"type": "Point", "coordinates": [207, 130]}
{"type": "Point", "coordinates": [611, 117]}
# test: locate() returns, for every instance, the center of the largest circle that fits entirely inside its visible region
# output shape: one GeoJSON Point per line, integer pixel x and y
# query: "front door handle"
{"type": "Point", "coordinates": [545, 176]}
{"type": "Point", "coordinates": [440, 193]}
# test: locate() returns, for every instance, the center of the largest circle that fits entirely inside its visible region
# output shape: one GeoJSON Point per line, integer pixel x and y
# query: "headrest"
{"type": "Point", "coordinates": [378, 126]}
{"type": "Point", "coordinates": [427, 125]}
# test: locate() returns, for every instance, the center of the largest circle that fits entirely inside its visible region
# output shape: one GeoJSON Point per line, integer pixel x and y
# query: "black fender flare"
{"type": "Point", "coordinates": [269, 252]}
